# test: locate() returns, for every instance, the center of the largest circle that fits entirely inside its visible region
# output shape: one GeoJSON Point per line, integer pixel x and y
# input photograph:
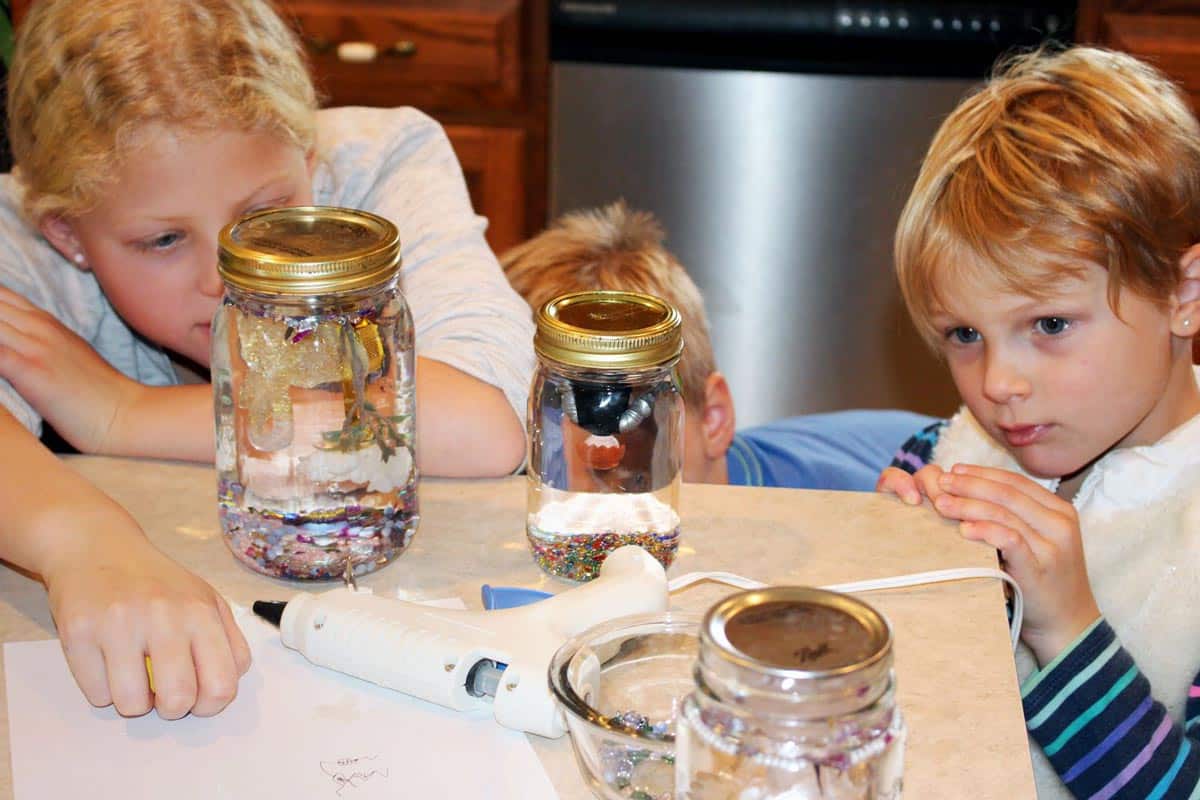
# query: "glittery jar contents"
{"type": "Point", "coordinates": [794, 700]}
{"type": "Point", "coordinates": [313, 379]}
{"type": "Point", "coordinates": [605, 431]}
{"type": "Point", "coordinates": [570, 538]}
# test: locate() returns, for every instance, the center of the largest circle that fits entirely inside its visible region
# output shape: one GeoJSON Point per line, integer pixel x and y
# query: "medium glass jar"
{"type": "Point", "coordinates": [794, 700]}
{"type": "Point", "coordinates": [312, 369]}
{"type": "Point", "coordinates": [605, 431]}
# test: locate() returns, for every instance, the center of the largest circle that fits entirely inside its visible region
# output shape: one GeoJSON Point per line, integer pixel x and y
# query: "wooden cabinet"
{"type": "Point", "coordinates": [480, 67]}
{"type": "Point", "coordinates": [1162, 32]}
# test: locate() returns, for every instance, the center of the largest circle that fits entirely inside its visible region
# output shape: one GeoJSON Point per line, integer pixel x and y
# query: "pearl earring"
{"type": "Point", "coordinates": [78, 259]}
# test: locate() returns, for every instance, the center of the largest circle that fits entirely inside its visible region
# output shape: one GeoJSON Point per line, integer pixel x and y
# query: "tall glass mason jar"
{"type": "Point", "coordinates": [312, 369]}
{"type": "Point", "coordinates": [605, 431]}
{"type": "Point", "coordinates": [794, 700]}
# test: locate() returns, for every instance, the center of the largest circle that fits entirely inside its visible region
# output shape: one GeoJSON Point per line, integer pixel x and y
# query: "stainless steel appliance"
{"type": "Point", "coordinates": [777, 142]}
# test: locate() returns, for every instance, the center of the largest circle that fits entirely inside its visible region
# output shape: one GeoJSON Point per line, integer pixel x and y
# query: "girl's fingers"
{"type": "Point", "coordinates": [10, 298]}
{"type": "Point", "coordinates": [87, 665]}
{"type": "Point", "coordinates": [217, 670]}
{"type": "Point", "coordinates": [237, 641]}
{"type": "Point", "coordinates": [174, 675]}
{"type": "Point", "coordinates": [128, 682]}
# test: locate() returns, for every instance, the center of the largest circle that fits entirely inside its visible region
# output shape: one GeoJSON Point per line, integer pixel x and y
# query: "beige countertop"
{"type": "Point", "coordinates": [957, 683]}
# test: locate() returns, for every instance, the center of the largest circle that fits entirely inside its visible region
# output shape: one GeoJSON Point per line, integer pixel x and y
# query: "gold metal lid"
{"type": "Point", "coordinates": [609, 330]}
{"type": "Point", "coordinates": [796, 652]}
{"type": "Point", "coordinates": [307, 250]}
{"type": "Point", "coordinates": [798, 630]}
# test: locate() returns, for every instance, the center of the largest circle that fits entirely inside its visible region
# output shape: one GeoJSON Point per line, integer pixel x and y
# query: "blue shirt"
{"type": "Point", "coordinates": [838, 450]}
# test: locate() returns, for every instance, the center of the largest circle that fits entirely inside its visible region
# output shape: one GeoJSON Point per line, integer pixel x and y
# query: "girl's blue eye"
{"type": "Point", "coordinates": [1052, 326]}
{"type": "Point", "coordinates": [163, 241]}
{"type": "Point", "coordinates": [963, 335]}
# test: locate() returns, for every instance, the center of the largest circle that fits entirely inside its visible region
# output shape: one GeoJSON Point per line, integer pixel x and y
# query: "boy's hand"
{"type": "Point", "coordinates": [60, 375]}
{"type": "Point", "coordinates": [911, 488]}
{"type": "Point", "coordinates": [1037, 534]}
{"type": "Point", "coordinates": [116, 600]}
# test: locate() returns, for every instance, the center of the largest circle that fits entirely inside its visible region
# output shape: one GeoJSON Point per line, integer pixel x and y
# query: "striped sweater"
{"type": "Point", "coordinates": [1090, 711]}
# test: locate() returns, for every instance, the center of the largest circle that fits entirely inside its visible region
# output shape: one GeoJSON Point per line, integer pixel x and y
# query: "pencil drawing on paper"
{"type": "Point", "coordinates": [350, 773]}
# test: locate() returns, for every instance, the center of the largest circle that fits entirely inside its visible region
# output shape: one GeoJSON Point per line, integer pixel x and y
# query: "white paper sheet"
{"type": "Point", "coordinates": [295, 731]}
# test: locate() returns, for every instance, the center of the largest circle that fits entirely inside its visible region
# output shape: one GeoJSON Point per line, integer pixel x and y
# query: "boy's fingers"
{"type": "Point", "coordinates": [928, 479]}
{"type": "Point", "coordinates": [898, 482]}
{"type": "Point", "coordinates": [237, 640]}
{"type": "Point", "coordinates": [974, 510]}
{"type": "Point", "coordinates": [1006, 488]}
{"type": "Point", "coordinates": [87, 665]}
{"type": "Point", "coordinates": [216, 670]}
{"type": "Point", "coordinates": [174, 676]}
{"type": "Point", "coordinates": [1019, 559]}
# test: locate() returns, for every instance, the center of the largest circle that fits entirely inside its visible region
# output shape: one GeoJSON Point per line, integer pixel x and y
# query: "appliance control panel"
{"type": "Point", "coordinates": [899, 21]}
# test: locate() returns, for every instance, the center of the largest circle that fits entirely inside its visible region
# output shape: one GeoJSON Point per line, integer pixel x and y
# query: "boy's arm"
{"type": "Point", "coordinates": [1092, 712]}
{"type": "Point", "coordinates": [115, 599]}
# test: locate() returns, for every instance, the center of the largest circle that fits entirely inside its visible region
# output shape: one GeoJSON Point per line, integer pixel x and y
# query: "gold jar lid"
{"type": "Point", "coordinates": [308, 250]}
{"type": "Point", "coordinates": [608, 330]}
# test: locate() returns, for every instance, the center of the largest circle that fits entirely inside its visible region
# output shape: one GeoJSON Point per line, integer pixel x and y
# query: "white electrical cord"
{"type": "Point", "coordinates": [894, 582]}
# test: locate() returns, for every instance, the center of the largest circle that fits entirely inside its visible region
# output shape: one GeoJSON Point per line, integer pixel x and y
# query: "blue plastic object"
{"type": "Point", "coordinates": [496, 597]}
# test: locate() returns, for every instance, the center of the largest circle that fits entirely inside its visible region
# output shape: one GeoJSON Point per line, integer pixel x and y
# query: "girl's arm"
{"type": "Point", "coordinates": [115, 599]}
{"type": "Point", "coordinates": [1092, 712]}
{"type": "Point", "coordinates": [474, 334]}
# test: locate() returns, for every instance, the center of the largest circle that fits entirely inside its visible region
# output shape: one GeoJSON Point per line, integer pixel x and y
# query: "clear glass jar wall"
{"type": "Point", "coordinates": [606, 441]}
{"type": "Point", "coordinates": [315, 424]}
{"type": "Point", "coordinates": [757, 727]}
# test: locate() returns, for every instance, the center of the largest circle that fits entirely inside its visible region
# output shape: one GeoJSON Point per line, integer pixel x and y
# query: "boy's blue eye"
{"type": "Point", "coordinates": [963, 335]}
{"type": "Point", "coordinates": [1052, 326]}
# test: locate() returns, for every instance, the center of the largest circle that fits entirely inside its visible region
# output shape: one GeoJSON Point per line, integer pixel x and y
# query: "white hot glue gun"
{"type": "Point", "coordinates": [466, 659]}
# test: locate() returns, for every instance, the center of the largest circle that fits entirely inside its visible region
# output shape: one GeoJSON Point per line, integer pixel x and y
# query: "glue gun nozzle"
{"type": "Point", "coordinates": [270, 610]}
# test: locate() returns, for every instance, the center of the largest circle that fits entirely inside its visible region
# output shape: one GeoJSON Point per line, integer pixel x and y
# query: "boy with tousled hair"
{"type": "Point", "coordinates": [617, 248]}
{"type": "Point", "coordinates": [1049, 253]}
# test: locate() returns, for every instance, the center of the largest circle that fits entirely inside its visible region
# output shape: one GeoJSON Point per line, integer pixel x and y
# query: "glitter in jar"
{"type": "Point", "coordinates": [571, 538]}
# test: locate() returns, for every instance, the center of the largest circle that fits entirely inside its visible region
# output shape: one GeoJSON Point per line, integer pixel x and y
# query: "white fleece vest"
{"type": "Point", "coordinates": [1139, 511]}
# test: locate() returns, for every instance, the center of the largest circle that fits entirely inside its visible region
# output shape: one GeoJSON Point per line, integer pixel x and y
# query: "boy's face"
{"type": "Point", "coordinates": [1059, 382]}
{"type": "Point", "coordinates": [152, 242]}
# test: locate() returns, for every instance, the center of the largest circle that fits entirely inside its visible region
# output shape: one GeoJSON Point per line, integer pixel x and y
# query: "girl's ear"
{"type": "Point", "coordinates": [1185, 314]}
{"type": "Point", "coordinates": [61, 235]}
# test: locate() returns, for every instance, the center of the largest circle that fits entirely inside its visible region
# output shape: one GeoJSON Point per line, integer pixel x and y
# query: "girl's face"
{"type": "Point", "coordinates": [1060, 382]}
{"type": "Point", "coordinates": [152, 241]}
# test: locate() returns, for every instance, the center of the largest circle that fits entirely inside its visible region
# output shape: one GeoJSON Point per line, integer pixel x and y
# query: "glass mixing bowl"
{"type": "Point", "coordinates": [620, 685]}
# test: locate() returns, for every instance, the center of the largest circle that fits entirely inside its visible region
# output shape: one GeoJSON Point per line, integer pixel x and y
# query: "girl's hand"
{"type": "Point", "coordinates": [60, 375]}
{"type": "Point", "coordinates": [116, 600]}
{"type": "Point", "coordinates": [911, 488]}
{"type": "Point", "coordinates": [1037, 534]}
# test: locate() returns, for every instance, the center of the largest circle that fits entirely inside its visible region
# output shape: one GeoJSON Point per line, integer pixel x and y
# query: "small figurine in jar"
{"type": "Point", "coordinates": [606, 431]}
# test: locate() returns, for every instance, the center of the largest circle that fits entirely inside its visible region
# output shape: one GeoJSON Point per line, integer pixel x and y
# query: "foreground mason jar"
{"type": "Point", "coordinates": [794, 700]}
{"type": "Point", "coordinates": [605, 431]}
{"type": "Point", "coordinates": [312, 369]}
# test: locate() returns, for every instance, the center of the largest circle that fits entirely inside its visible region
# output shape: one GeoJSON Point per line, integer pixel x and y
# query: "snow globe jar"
{"type": "Point", "coordinates": [795, 699]}
{"type": "Point", "coordinates": [605, 431]}
{"type": "Point", "coordinates": [312, 369]}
